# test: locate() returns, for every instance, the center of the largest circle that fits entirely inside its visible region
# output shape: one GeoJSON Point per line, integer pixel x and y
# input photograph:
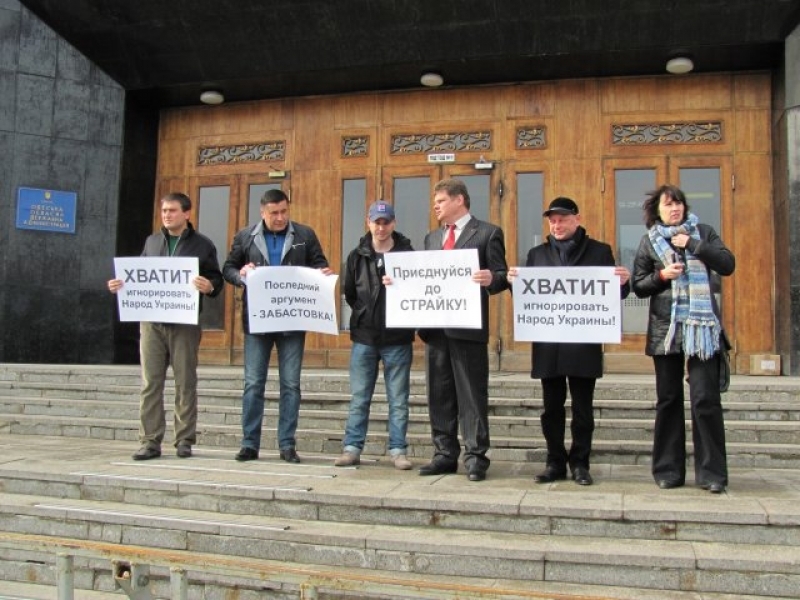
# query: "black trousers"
{"type": "Point", "coordinates": [554, 391]}
{"type": "Point", "coordinates": [458, 394]}
{"type": "Point", "coordinates": [708, 428]}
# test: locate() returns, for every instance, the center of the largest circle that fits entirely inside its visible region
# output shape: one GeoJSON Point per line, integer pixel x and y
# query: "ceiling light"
{"type": "Point", "coordinates": [212, 97]}
{"type": "Point", "coordinates": [680, 65]}
{"type": "Point", "coordinates": [431, 79]}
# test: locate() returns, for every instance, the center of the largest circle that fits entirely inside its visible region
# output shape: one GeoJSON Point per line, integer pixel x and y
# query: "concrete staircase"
{"type": "Point", "coordinates": [762, 415]}
{"type": "Point", "coordinates": [271, 530]}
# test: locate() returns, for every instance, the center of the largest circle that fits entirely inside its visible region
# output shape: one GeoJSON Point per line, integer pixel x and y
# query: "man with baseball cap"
{"type": "Point", "coordinates": [560, 364]}
{"type": "Point", "coordinates": [373, 342]}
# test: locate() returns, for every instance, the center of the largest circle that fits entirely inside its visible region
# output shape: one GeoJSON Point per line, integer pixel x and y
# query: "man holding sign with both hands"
{"type": "Point", "coordinates": [175, 344]}
{"type": "Point", "coordinates": [457, 359]}
{"type": "Point", "coordinates": [274, 240]}
{"type": "Point", "coordinates": [559, 364]}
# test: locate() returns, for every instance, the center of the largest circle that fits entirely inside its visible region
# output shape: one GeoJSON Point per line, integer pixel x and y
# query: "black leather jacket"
{"type": "Point", "coordinates": [648, 284]}
{"type": "Point", "coordinates": [301, 249]}
{"type": "Point", "coordinates": [366, 295]}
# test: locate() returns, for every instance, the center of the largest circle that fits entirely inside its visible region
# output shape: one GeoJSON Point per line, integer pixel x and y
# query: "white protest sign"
{"type": "Point", "coordinates": [433, 288]}
{"type": "Point", "coordinates": [158, 289]}
{"type": "Point", "coordinates": [567, 304]}
{"type": "Point", "coordinates": [291, 299]}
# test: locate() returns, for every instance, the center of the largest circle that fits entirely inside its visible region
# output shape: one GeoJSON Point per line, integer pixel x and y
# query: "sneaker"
{"type": "Point", "coordinates": [347, 459]}
{"type": "Point", "coordinates": [402, 463]}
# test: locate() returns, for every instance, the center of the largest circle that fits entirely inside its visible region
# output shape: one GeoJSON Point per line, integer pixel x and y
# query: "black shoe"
{"type": "Point", "coordinates": [668, 484]}
{"type": "Point", "coordinates": [146, 453]}
{"type": "Point", "coordinates": [184, 450]}
{"type": "Point", "coordinates": [438, 467]}
{"type": "Point", "coordinates": [714, 488]}
{"type": "Point", "coordinates": [290, 455]}
{"type": "Point", "coordinates": [246, 454]}
{"type": "Point", "coordinates": [550, 474]}
{"type": "Point", "coordinates": [580, 475]}
{"type": "Point", "coordinates": [476, 473]}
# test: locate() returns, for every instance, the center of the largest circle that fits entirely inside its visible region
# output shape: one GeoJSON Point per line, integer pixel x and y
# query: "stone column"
{"type": "Point", "coordinates": [787, 201]}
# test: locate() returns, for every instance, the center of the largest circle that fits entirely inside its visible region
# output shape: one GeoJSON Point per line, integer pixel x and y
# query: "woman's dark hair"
{"type": "Point", "coordinates": [650, 205]}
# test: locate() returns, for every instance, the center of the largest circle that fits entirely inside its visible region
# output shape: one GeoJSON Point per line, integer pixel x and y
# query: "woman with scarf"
{"type": "Point", "coordinates": [672, 267]}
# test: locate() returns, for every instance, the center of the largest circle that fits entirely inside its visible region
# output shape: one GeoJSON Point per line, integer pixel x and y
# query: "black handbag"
{"type": "Point", "coordinates": [724, 362]}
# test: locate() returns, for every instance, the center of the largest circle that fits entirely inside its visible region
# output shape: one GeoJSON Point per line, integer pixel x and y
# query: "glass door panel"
{"type": "Point", "coordinates": [354, 199]}
{"type": "Point", "coordinates": [631, 186]}
{"type": "Point", "coordinates": [212, 220]}
{"type": "Point", "coordinates": [530, 205]}
{"type": "Point", "coordinates": [411, 197]}
{"type": "Point", "coordinates": [703, 190]}
{"type": "Point", "coordinates": [254, 195]}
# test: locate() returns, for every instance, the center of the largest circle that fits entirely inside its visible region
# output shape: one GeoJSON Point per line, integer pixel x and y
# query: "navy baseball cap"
{"type": "Point", "coordinates": [562, 206]}
{"type": "Point", "coordinates": [381, 210]}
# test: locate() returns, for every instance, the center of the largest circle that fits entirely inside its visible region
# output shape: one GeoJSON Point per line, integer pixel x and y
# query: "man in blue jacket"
{"type": "Point", "coordinates": [275, 240]}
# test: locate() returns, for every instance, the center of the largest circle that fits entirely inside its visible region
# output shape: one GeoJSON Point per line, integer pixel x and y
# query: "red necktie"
{"type": "Point", "coordinates": [450, 240]}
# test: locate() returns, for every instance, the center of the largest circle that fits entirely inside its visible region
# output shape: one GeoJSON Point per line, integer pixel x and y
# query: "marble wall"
{"type": "Point", "coordinates": [61, 128]}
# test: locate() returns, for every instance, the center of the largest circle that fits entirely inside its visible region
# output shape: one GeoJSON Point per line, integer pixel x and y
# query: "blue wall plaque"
{"type": "Point", "coordinates": [46, 210]}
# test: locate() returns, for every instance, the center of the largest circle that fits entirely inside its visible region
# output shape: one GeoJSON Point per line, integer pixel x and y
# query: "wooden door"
{"type": "Point", "coordinates": [626, 185]}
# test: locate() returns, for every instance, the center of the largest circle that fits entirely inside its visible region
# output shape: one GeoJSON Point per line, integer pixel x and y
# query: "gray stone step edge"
{"type": "Point", "coordinates": [617, 514]}
{"type": "Point", "coordinates": [128, 430]}
{"type": "Point", "coordinates": [713, 567]}
{"type": "Point", "coordinates": [218, 576]}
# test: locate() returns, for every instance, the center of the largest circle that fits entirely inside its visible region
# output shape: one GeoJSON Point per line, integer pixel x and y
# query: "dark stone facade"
{"type": "Point", "coordinates": [61, 128]}
{"type": "Point", "coordinates": [787, 191]}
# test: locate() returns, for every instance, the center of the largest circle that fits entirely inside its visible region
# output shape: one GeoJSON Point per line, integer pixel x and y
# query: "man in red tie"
{"type": "Point", "coordinates": [457, 360]}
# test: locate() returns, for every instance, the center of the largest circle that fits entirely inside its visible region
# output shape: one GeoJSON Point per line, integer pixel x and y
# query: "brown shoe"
{"type": "Point", "coordinates": [401, 462]}
{"type": "Point", "coordinates": [347, 459]}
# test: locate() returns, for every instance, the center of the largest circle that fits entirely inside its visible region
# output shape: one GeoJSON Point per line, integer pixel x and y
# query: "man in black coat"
{"type": "Point", "coordinates": [558, 364]}
{"type": "Point", "coordinates": [457, 360]}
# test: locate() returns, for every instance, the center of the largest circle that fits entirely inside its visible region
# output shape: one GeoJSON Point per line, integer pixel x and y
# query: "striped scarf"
{"type": "Point", "coordinates": [691, 294]}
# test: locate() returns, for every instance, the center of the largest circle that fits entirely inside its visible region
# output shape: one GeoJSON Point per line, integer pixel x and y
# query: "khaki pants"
{"type": "Point", "coordinates": [163, 345]}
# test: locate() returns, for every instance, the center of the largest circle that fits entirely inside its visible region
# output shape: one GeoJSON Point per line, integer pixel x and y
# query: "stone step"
{"type": "Point", "coordinates": [621, 532]}
{"type": "Point", "coordinates": [626, 427]}
{"type": "Point", "coordinates": [48, 398]}
{"type": "Point", "coordinates": [615, 449]}
{"type": "Point", "coordinates": [654, 564]}
{"type": "Point", "coordinates": [501, 384]}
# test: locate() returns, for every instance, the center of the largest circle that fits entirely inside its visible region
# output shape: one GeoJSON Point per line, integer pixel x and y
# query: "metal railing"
{"type": "Point", "coordinates": [130, 568]}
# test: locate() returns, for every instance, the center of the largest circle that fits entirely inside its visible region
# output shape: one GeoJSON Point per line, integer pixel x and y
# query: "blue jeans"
{"type": "Point", "coordinates": [364, 361]}
{"type": "Point", "coordinates": [257, 350]}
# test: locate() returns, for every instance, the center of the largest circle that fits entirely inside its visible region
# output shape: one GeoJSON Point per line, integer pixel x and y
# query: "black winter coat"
{"type": "Point", "coordinates": [191, 243]}
{"type": "Point", "coordinates": [552, 359]}
{"type": "Point", "coordinates": [366, 295]}
{"type": "Point", "coordinates": [648, 284]}
{"type": "Point", "coordinates": [301, 249]}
